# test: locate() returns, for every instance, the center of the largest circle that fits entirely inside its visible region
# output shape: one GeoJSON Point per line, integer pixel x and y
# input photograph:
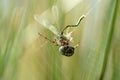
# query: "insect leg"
{"type": "Point", "coordinates": [47, 38]}
{"type": "Point", "coordinates": [83, 16]}
{"type": "Point", "coordinates": [78, 44]}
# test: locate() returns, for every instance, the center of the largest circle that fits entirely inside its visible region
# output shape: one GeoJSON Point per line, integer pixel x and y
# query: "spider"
{"type": "Point", "coordinates": [62, 40]}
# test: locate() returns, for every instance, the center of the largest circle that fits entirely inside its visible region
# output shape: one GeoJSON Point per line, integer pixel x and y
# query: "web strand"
{"type": "Point", "coordinates": [92, 8]}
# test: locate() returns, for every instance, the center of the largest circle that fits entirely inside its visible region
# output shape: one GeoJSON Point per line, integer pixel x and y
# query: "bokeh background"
{"type": "Point", "coordinates": [24, 55]}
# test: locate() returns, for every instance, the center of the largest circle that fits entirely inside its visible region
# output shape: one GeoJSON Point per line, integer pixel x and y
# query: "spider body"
{"type": "Point", "coordinates": [62, 40]}
{"type": "Point", "coordinates": [67, 50]}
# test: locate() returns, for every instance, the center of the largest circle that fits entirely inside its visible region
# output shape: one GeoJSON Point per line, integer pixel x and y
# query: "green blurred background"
{"type": "Point", "coordinates": [24, 55]}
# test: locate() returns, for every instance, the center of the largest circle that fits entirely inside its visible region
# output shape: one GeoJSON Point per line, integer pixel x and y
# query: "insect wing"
{"type": "Point", "coordinates": [41, 20]}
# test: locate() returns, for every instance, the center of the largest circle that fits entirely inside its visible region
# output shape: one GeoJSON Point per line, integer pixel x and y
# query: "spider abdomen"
{"type": "Point", "coordinates": [66, 50]}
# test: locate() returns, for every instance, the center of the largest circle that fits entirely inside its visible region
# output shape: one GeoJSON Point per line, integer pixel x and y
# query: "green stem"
{"type": "Point", "coordinates": [109, 41]}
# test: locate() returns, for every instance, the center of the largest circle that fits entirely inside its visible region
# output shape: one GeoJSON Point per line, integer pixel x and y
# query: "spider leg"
{"type": "Point", "coordinates": [54, 42]}
{"type": "Point", "coordinates": [80, 19]}
{"type": "Point", "coordinates": [78, 44]}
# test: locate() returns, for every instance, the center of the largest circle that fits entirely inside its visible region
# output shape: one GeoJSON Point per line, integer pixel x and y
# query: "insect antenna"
{"type": "Point", "coordinates": [80, 19]}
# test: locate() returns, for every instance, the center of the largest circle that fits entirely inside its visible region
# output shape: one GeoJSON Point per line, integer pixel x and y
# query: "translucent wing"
{"type": "Point", "coordinates": [41, 20]}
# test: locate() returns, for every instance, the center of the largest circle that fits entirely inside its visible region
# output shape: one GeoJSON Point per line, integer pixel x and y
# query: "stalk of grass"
{"type": "Point", "coordinates": [116, 49]}
{"type": "Point", "coordinates": [13, 40]}
{"type": "Point", "coordinates": [109, 39]}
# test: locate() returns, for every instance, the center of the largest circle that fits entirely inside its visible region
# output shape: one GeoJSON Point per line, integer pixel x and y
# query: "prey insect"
{"type": "Point", "coordinates": [62, 41]}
